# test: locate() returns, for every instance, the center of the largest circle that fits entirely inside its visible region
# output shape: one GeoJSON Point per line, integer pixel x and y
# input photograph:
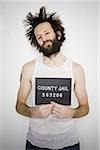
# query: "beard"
{"type": "Point", "coordinates": [50, 47]}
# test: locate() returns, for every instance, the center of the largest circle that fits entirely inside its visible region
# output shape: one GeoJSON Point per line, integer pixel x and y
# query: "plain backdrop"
{"type": "Point", "coordinates": [81, 26]}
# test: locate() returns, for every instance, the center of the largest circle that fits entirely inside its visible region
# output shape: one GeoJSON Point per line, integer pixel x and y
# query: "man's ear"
{"type": "Point", "coordinates": [59, 35]}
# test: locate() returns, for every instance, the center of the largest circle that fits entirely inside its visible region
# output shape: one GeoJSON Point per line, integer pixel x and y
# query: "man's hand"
{"type": "Point", "coordinates": [41, 111]}
{"type": "Point", "coordinates": [61, 111]}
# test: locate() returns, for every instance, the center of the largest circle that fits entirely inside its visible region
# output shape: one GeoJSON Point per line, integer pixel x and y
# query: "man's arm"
{"type": "Point", "coordinates": [80, 91]}
{"type": "Point", "coordinates": [23, 92]}
{"type": "Point", "coordinates": [62, 111]}
{"type": "Point", "coordinates": [39, 111]}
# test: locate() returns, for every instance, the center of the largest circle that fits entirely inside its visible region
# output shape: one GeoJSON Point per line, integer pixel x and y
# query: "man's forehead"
{"type": "Point", "coordinates": [45, 26]}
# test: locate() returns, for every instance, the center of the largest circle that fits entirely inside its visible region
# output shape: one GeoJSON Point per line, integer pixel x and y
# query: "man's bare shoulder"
{"type": "Point", "coordinates": [77, 70]}
{"type": "Point", "coordinates": [77, 66]}
{"type": "Point", "coordinates": [28, 68]}
{"type": "Point", "coordinates": [30, 64]}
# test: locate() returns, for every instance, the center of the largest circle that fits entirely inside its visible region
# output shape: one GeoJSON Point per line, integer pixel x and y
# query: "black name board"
{"type": "Point", "coordinates": [53, 89]}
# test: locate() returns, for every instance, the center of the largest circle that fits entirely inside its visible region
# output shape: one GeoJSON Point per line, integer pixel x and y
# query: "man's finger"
{"type": "Point", "coordinates": [56, 104]}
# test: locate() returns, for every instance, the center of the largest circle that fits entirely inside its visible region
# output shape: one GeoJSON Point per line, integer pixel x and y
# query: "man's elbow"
{"type": "Point", "coordinates": [17, 108]}
{"type": "Point", "coordinates": [86, 110]}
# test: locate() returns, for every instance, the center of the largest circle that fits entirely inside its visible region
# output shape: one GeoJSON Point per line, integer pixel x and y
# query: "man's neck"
{"type": "Point", "coordinates": [54, 60]}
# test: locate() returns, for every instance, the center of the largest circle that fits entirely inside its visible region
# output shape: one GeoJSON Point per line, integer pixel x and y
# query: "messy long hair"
{"type": "Point", "coordinates": [32, 21]}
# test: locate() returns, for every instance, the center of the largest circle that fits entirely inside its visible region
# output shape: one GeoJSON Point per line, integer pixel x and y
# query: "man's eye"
{"type": "Point", "coordinates": [39, 38]}
{"type": "Point", "coordinates": [47, 33]}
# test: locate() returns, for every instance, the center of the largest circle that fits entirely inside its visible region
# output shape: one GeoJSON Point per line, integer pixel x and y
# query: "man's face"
{"type": "Point", "coordinates": [47, 39]}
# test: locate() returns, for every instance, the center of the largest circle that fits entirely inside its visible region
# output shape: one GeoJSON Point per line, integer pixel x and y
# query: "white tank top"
{"type": "Point", "coordinates": [52, 132]}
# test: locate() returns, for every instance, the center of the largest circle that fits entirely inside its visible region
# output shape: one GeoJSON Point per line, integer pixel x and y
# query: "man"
{"type": "Point", "coordinates": [51, 125]}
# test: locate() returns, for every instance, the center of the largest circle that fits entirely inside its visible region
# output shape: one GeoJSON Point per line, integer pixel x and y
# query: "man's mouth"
{"type": "Point", "coordinates": [47, 43]}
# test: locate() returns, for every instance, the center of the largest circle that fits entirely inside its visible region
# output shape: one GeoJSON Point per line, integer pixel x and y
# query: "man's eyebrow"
{"type": "Point", "coordinates": [46, 30]}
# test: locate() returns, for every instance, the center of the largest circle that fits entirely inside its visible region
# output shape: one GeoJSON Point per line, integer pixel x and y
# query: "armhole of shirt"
{"type": "Point", "coordinates": [73, 82]}
{"type": "Point", "coordinates": [34, 72]}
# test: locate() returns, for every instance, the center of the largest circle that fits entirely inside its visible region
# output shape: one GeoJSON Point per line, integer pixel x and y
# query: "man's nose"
{"type": "Point", "coordinates": [44, 38]}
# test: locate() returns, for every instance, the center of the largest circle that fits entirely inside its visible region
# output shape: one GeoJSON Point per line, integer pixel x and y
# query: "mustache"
{"type": "Point", "coordinates": [46, 42]}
